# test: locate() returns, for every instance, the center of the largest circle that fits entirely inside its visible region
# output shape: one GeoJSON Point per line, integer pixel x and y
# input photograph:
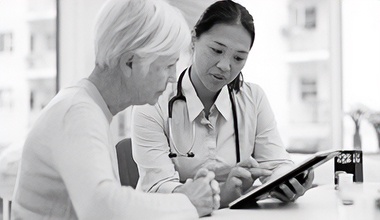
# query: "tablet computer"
{"type": "Point", "coordinates": [253, 196]}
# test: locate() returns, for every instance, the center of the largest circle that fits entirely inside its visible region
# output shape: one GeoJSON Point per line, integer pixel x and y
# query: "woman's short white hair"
{"type": "Point", "coordinates": [148, 28]}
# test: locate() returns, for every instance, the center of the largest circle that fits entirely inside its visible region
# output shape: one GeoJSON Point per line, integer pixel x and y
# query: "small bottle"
{"type": "Point", "coordinates": [345, 182]}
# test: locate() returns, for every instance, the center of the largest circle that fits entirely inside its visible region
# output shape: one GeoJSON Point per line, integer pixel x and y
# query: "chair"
{"type": "Point", "coordinates": [6, 209]}
{"type": "Point", "coordinates": [128, 171]}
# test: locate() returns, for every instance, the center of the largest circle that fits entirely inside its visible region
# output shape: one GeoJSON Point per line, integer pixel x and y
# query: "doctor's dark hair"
{"type": "Point", "coordinates": [226, 12]}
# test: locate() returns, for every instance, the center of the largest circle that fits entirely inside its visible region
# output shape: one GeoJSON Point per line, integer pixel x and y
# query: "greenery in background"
{"type": "Point", "coordinates": [359, 113]}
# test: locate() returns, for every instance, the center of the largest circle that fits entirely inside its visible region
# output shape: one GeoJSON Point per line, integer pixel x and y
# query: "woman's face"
{"type": "Point", "coordinates": [152, 79]}
{"type": "Point", "coordinates": [220, 54]}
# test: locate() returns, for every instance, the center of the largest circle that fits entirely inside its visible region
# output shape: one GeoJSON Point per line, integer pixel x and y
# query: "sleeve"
{"type": "Point", "coordinates": [269, 150]}
{"type": "Point", "coordinates": [84, 162]}
{"type": "Point", "coordinates": [150, 150]}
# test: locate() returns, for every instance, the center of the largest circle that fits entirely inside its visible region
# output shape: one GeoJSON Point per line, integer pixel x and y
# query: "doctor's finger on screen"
{"type": "Point", "coordinates": [253, 167]}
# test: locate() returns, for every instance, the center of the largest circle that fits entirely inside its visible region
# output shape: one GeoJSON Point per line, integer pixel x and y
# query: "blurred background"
{"type": "Point", "coordinates": [317, 60]}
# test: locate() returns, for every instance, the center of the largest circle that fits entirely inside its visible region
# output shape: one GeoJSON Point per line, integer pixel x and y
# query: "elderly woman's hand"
{"type": "Point", "coordinates": [202, 191]}
{"type": "Point", "coordinates": [294, 188]}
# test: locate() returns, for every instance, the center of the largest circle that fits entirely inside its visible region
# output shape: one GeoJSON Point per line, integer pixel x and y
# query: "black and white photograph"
{"type": "Point", "coordinates": [189, 109]}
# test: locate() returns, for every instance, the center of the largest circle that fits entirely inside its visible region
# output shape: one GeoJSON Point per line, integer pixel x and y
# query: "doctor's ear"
{"type": "Point", "coordinates": [129, 63]}
{"type": "Point", "coordinates": [193, 39]}
{"type": "Point", "coordinates": [125, 64]}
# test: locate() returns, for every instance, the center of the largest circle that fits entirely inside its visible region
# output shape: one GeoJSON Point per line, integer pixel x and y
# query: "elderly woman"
{"type": "Point", "coordinates": [69, 165]}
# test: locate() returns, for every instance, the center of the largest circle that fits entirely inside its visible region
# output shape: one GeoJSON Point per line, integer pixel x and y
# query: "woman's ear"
{"type": "Point", "coordinates": [125, 64]}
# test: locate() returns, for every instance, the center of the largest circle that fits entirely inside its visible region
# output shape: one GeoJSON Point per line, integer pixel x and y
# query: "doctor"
{"type": "Point", "coordinates": [212, 119]}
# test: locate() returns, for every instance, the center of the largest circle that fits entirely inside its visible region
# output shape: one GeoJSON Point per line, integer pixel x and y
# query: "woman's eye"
{"type": "Point", "coordinates": [239, 58]}
{"type": "Point", "coordinates": [216, 50]}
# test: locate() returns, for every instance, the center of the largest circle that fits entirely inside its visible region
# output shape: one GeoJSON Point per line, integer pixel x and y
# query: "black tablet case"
{"type": "Point", "coordinates": [250, 198]}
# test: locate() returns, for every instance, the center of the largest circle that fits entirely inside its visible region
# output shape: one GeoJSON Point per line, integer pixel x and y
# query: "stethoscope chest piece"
{"type": "Point", "coordinates": [188, 154]}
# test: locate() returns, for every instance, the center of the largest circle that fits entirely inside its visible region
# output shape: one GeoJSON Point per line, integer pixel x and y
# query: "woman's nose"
{"type": "Point", "coordinates": [172, 75]}
{"type": "Point", "coordinates": [224, 64]}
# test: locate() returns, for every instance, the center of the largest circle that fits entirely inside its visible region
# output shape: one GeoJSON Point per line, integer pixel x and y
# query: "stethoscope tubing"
{"type": "Point", "coordinates": [180, 96]}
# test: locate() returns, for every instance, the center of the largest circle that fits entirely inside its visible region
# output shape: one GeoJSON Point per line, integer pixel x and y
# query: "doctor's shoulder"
{"type": "Point", "coordinates": [252, 91]}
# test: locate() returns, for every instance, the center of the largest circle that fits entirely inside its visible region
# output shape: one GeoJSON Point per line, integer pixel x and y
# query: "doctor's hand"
{"type": "Point", "coordinates": [203, 192]}
{"type": "Point", "coordinates": [294, 188]}
{"type": "Point", "coordinates": [240, 179]}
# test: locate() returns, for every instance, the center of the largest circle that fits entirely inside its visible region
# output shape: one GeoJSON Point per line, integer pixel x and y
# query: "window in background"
{"type": "Point", "coordinates": [361, 71]}
{"type": "Point", "coordinates": [310, 17]}
{"type": "Point", "coordinates": [292, 60]}
{"type": "Point", "coordinates": [309, 91]}
{"type": "Point", "coordinates": [6, 42]}
{"type": "Point", "coordinates": [6, 103]}
{"type": "Point", "coordinates": [317, 61]}
{"type": "Point", "coordinates": [28, 73]}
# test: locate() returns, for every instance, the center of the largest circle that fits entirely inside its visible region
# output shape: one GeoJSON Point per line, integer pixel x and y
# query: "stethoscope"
{"type": "Point", "coordinates": [180, 97]}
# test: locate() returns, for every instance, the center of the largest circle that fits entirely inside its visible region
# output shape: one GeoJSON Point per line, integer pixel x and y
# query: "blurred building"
{"type": "Point", "coordinates": [310, 70]}
{"type": "Point", "coordinates": [309, 74]}
{"type": "Point", "coordinates": [333, 69]}
{"type": "Point", "coordinates": [28, 64]}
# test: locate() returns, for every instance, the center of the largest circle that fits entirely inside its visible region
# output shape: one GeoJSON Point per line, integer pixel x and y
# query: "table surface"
{"type": "Point", "coordinates": [322, 202]}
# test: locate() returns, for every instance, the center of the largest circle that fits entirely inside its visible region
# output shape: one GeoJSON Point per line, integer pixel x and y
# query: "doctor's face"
{"type": "Point", "coordinates": [220, 54]}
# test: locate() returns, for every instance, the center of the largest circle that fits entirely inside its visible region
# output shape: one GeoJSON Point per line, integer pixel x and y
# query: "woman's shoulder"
{"type": "Point", "coordinates": [75, 100]}
{"type": "Point", "coordinates": [75, 96]}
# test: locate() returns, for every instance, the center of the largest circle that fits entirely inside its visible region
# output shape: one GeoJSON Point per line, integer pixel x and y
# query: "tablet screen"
{"type": "Point", "coordinates": [253, 196]}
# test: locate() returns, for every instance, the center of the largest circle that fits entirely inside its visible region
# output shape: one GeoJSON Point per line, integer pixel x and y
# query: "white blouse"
{"type": "Point", "coordinates": [214, 137]}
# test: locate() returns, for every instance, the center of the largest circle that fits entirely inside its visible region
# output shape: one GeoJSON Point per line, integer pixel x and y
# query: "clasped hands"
{"type": "Point", "coordinates": [203, 192]}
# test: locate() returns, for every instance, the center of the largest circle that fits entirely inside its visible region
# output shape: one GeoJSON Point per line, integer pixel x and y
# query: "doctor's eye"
{"type": "Point", "coordinates": [237, 58]}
